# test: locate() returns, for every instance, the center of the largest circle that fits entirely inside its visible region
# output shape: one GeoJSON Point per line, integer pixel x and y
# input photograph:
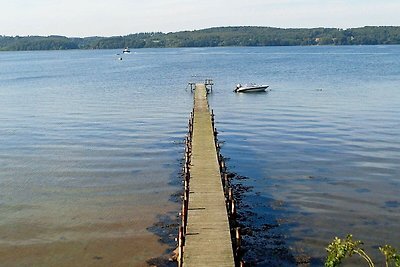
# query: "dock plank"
{"type": "Point", "coordinates": [208, 240]}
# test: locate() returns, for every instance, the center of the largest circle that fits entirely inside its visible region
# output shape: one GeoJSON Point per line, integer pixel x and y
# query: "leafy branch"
{"type": "Point", "coordinates": [340, 249]}
{"type": "Point", "coordinates": [391, 255]}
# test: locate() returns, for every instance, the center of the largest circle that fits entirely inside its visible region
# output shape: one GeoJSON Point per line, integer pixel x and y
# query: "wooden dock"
{"type": "Point", "coordinates": [207, 233]}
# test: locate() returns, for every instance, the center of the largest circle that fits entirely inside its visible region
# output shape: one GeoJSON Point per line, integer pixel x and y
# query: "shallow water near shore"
{"type": "Point", "coordinates": [91, 148]}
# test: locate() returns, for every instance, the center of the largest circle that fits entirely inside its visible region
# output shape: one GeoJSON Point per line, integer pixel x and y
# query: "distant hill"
{"type": "Point", "coordinates": [212, 37]}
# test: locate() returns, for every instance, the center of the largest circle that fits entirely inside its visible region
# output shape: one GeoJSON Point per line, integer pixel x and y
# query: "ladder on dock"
{"type": "Point", "coordinates": [208, 83]}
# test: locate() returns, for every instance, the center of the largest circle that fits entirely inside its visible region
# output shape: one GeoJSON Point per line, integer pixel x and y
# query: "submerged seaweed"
{"type": "Point", "coordinates": [262, 228]}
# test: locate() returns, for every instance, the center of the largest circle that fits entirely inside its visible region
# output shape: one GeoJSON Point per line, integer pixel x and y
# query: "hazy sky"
{"type": "Point", "coordinates": [121, 17]}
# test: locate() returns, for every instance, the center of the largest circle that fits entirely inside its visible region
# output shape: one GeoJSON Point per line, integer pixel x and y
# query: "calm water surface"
{"type": "Point", "coordinates": [90, 149]}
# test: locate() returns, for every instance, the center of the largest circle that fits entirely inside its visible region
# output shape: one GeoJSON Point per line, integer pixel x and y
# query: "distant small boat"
{"type": "Point", "coordinates": [126, 51]}
{"type": "Point", "coordinates": [249, 88]}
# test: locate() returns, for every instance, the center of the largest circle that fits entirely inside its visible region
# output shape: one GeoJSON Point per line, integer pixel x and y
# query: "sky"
{"type": "Point", "coordinates": [82, 18]}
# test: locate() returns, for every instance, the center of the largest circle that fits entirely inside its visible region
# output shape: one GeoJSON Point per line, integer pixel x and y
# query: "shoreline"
{"type": "Point", "coordinates": [240, 36]}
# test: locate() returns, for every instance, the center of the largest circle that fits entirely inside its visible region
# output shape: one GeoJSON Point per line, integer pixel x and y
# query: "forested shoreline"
{"type": "Point", "coordinates": [212, 37]}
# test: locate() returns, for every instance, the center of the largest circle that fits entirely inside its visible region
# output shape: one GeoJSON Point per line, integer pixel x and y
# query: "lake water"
{"type": "Point", "coordinates": [91, 148]}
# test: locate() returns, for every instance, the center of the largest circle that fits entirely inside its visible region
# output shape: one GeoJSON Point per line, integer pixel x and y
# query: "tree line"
{"type": "Point", "coordinates": [213, 37]}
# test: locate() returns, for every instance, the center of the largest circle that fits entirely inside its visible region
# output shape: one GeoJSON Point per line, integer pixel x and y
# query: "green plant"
{"type": "Point", "coordinates": [340, 249]}
{"type": "Point", "coordinates": [391, 255]}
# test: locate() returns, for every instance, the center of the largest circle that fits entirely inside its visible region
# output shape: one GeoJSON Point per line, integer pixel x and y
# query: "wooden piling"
{"type": "Point", "coordinates": [180, 246]}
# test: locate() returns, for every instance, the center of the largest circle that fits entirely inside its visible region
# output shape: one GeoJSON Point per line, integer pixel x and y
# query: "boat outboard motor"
{"type": "Point", "coordinates": [237, 87]}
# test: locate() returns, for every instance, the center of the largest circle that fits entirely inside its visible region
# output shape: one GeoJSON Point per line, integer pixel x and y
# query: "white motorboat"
{"type": "Point", "coordinates": [248, 88]}
{"type": "Point", "coordinates": [126, 51]}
